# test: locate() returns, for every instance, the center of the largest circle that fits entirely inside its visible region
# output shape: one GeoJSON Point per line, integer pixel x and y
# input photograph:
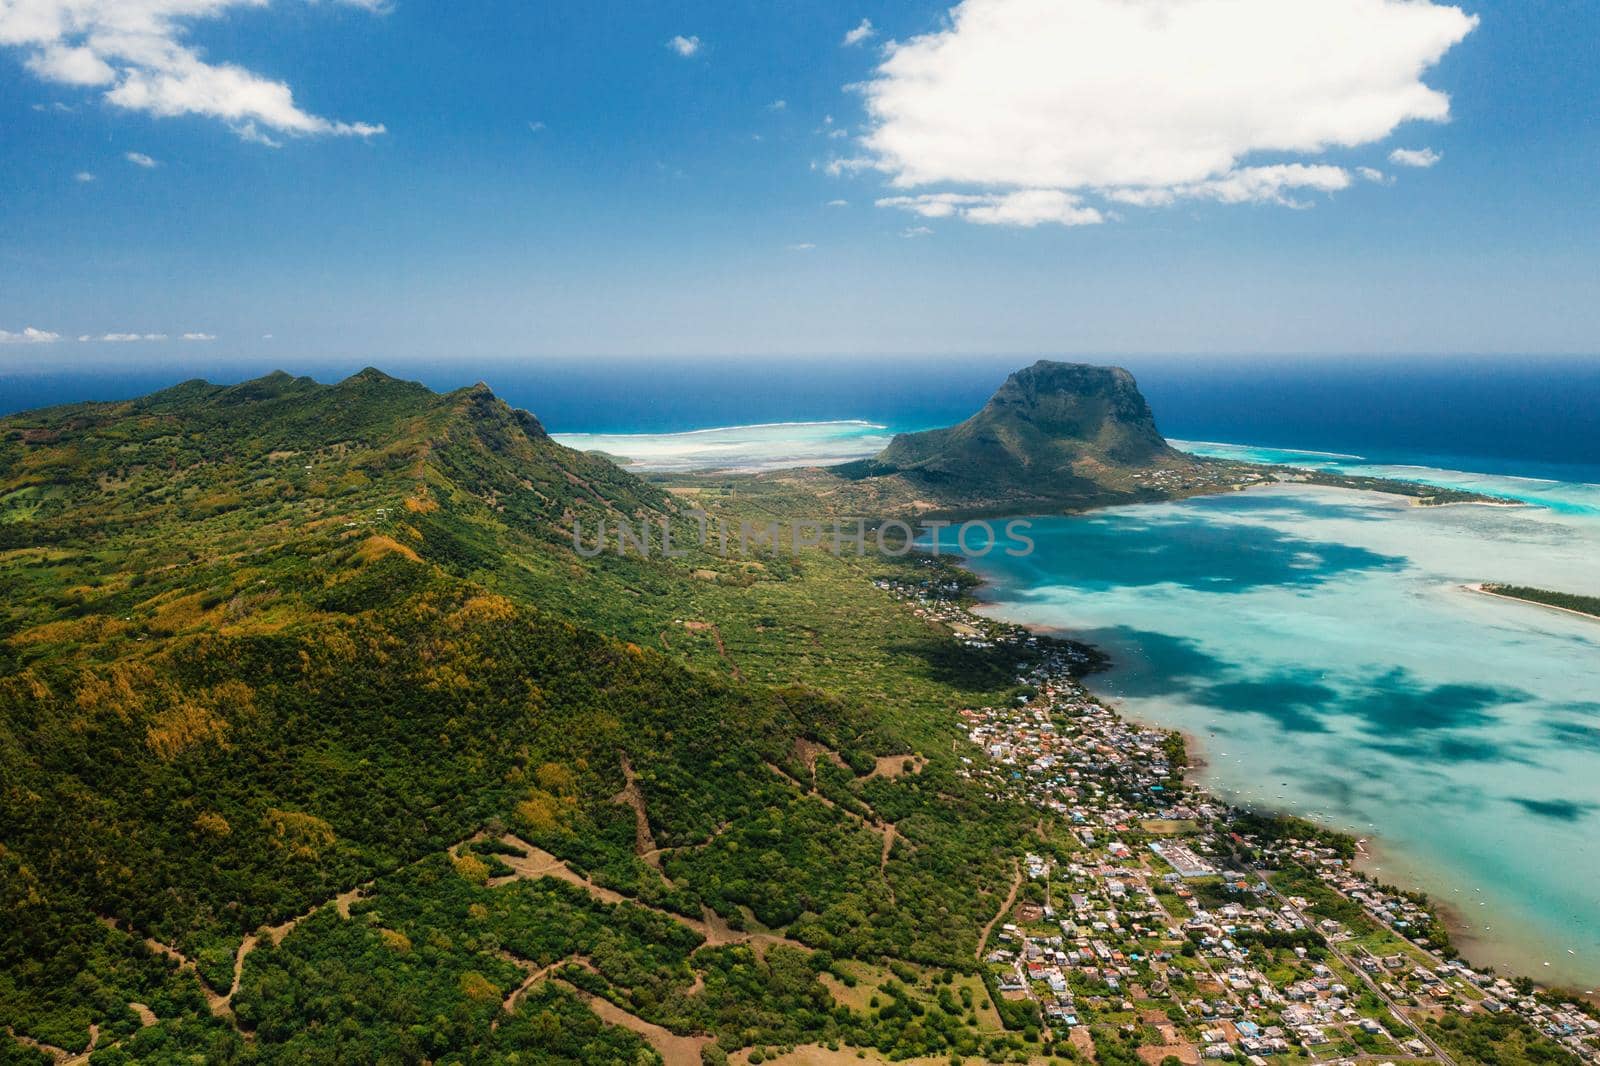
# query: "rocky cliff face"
{"type": "Point", "coordinates": [1054, 435]}
{"type": "Point", "coordinates": [1048, 422]}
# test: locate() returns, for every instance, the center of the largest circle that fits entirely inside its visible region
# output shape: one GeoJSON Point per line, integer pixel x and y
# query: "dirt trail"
{"type": "Point", "coordinates": [892, 766]}
{"type": "Point", "coordinates": [644, 841]}
{"type": "Point", "coordinates": [60, 1055]}
{"type": "Point", "coordinates": [809, 751]}
{"type": "Point", "coordinates": [712, 928]}
{"type": "Point", "coordinates": [1011, 898]}
{"type": "Point", "coordinates": [873, 824]}
{"type": "Point", "coordinates": [716, 638]}
{"type": "Point", "coordinates": [674, 1050]}
{"type": "Point", "coordinates": [509, 1005]}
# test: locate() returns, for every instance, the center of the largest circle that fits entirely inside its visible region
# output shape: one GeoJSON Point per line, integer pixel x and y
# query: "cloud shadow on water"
{"type": "Point", "coordinates": [1402, 715]}
{"type": "Point", "coordinates": [1188, 550]}
{"type": "Point", "coordinates": [1559, 810]}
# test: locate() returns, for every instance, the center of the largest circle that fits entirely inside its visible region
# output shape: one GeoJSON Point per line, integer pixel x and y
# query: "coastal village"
{"type": "Point", "coordinates": [1169, 923]}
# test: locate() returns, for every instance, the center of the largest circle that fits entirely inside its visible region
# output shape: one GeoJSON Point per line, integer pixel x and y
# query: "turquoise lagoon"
{"type": "Point", "coordinates": [1320, 646]}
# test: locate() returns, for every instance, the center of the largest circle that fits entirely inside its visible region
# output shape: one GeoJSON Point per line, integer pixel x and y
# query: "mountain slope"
{"type": "Point", "coordinates": [285, 649]}
{"type": "Point", "coordinates": [1054, 434]}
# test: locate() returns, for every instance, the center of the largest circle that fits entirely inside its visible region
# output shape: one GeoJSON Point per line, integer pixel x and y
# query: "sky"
{"type": "Point", "coordinates": [297, 180]}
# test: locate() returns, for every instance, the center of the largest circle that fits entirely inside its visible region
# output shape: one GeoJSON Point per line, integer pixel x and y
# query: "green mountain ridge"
{"type": "Point", "coordinates": [279, 642]}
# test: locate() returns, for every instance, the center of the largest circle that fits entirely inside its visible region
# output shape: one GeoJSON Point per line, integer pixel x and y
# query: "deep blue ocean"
{"type": "Point", "coordinates": [1529, 417]}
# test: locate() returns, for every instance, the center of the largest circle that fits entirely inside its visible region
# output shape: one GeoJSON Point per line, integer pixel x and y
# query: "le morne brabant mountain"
{"type": "Point", "coordinates": [1055, 435]}
{"type": "Point", "coordinates": [321, 743]}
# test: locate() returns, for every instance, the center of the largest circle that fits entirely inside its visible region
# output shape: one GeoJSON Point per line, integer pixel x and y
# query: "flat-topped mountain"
{"type": "Point", "coordinates": [1056, 434]}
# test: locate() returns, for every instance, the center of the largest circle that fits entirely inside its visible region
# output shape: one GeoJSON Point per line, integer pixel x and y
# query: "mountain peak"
{"type": "Point", "coordinates": [1054, 432]}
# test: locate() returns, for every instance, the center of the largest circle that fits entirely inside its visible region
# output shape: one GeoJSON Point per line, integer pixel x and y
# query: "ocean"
{"type": "Point", "coordinates": [1317, 643]}
{"type": "Point", "coordinates": [1530, 417]}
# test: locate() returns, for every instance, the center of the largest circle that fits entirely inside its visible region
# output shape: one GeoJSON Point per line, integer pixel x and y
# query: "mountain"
{"type": "Point", "coordinates": [1054, 434]}
{"type": "Point", "coordinates": [318, 740]}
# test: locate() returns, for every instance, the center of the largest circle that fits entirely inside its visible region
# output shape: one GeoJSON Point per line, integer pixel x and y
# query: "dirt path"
{"type": "Point", "coordinates": [892, 766]}
{"type": "Point", "coordinates": [60, 1055]}
{"type": "Point", "coordinates": [712, 928]}
{"type": "Point", "coordinates": [1011, 898]}
{"type": "Point", "coordinates": [674, 1050]}
{"type": "Point", "coordinates": [716, 638]}
{"type": "Point", "coordinates": [644, 841]}
{"type": "Point", "coordinates": [809, 751]}
{"type": "Point", "coordinates": [874, 825]}
{"type": "Point", "coordinates": [509, 1005]}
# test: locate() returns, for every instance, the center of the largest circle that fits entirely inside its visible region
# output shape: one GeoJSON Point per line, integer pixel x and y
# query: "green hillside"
{"type": "Point", "coordinates": [286, 650]}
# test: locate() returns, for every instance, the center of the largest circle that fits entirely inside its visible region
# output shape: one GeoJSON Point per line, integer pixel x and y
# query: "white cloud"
{"type": "Point", "coordinates": [138, 52]}
{"type": "Point", "coordinates": [1414, 157]}
{"type": "Point", "coordinates": [1146, 102]}
{"type": "Point", "coordinates": [199, 336]}
{"type": "Point", "coordinates": [126, 338]}
{"type": "Point", "coordinates": [83, 176]}
{"type": "Point", "coordinates": [853, 165]}
{"type": "Point", "coordinates": [71, 66]}
{"type": "Point", "coordinates": [139, 159]}
{"type": "Point", "coordinates": [916, 231]}
{"type": "Point", "coordinates": [861, 33]}
{"type": "Point", "coordinates": [1374, 175]}
{"type": "Point", "coordinates": [1247, 185]}
{"type": "Point", "coordinates": [536, 127]}
{"type": "Point", "coordinates": [1026, 207]}
{"type": "Point", "coordinates": [29, 335]}
{"type": "Point", "coordinates": [684, 46]}
{"type": "Point", "coordinates": [837, 203]}
{"type": "Point", "coordinates": [803, 246]}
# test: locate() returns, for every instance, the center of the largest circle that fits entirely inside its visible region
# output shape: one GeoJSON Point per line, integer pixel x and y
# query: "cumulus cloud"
{"type": "Point", "coordinates": [863, 32]}
{"type": "Point", "coordinates": [1037, 105]}
{"type": "Point", "coordinates": [83, 176]}
{"type": "Point", "coordinates": [803, 246]}
{"type": "Point", "coordinates": [125, 338]}
{"type": "Point", "coordinates": [137, 52]}
{"type": "Point", "coordinates": [1414, 157]}
{"type": "Point", "coordinates": [199, 336]}
{"type": "Point", "coordinates": [29, 335]}
{"type": "Point", "coordinates": [1246, 185]}
{"type": "Point", "coordinates": [1028, 207]}
{"type": "Point", "coordinates": [684, 46]}
{"type": "Point", "coordinates": [139, 159]}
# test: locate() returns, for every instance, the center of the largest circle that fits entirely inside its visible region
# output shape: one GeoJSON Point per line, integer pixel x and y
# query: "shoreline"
{"type": "Point", "coordinates": [1479, 588]}
{"type": "Point", "coordinates": [1511, 955]}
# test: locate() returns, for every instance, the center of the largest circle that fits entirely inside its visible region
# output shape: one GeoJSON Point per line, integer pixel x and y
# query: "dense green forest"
{"type": "Point", "coordinates": [1566, 600]}
{"type": "Point", "coordinates": [304, 692]}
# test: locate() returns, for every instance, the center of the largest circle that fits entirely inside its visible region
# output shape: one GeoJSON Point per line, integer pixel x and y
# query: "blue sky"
{"type": "Point", "coordinates": [516, 180]}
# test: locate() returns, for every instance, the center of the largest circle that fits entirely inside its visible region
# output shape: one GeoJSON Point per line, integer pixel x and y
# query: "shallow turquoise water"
{"type": "Point", "coordinates": [1321, 647]}
{"type": "Point", "coordinates": [1564, 497]}
{"type": "Point", "coordinates": [762, 447]}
